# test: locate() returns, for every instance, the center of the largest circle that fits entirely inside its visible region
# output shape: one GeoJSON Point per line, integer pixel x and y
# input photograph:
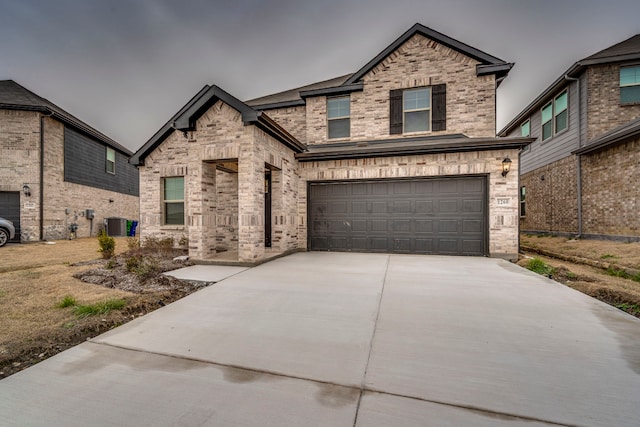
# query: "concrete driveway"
{"type": "Point", "coordinates": [335, 339]}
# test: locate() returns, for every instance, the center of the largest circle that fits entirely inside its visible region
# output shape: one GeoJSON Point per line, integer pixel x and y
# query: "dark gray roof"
{"type": "Point", "coordinates": [409, 146]}
{"type": "Point", "coordinates": [16, 97]}
{"type": "Point", "coordinates": [615, 136]}
{"type": "Point", "coordinates": [293, 95]}
{"type": "Point", "coordinates": [185, 119]}
{"type": "Point", "coordinates": [627, 50]}
{"type": "Point", "coordinates": [352, 82]}
{"type": "Point", "coordinates": [630, 46]}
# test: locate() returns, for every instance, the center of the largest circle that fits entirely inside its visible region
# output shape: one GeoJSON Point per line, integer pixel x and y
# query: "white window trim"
{"type": "Point", "coordinates": [165, 201]}
{"type": "Point", "coordinates": [404, 111]}
{"type": "Point", "coordinates": [339, 118]}
{"type": "Point", "coordinates": [110, 150]}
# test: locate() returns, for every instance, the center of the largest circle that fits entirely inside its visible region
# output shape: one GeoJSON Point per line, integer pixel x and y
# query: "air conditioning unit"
{"type": "Point", "coordinates": [116, 227]}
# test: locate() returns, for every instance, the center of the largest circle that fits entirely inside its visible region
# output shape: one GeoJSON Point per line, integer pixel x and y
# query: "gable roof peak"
{"type": "Point", "coordinates": [497, 65]}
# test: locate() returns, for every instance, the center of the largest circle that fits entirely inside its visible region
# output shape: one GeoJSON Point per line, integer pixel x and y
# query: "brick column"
{"type": "Point", "coordinates": [250, 203]}
{"type": "Point", "coordinates": [201, 209]}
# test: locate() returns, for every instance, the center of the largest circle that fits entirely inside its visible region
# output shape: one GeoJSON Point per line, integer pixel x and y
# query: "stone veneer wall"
{"type": "Point", "coordinates": [611, 190]}
{"type": "Point", "coordinates": [221, 135]}
{"type": "Point", "coordinates": [19, 164]}
{"type": "Point", "coordinates": [604, 111]}
{"type": "Point", "coordinates": [293, 119]}
{"type": "Point", "coordinates": [418, 62]}
{"type": "Point", "coordinates": [551, 197]}
{"type": "Point", "coordinates": [503, 203]}
{"type": "Point", "coordinates": [64, 202]}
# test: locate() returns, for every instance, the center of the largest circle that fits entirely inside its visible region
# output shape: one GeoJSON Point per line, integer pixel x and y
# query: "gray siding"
{"type": "Point", "coordinates": [85, 163]}
{"type": "Point", "coordinates": [557, 147]}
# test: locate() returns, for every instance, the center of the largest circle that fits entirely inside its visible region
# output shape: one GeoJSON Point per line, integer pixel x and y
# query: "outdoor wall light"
{"type": "Point", "coordinates": [506, 166]}
{"type": "Point", "coordinates": [26, 190]}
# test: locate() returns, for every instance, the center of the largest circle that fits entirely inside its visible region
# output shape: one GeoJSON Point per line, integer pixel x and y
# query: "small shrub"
{"type": "Point", "coordinates": [571, 275]}
{"type": "Point", "coordinates": [154, 244]}
{"type": "Point", "coordinates": [629, 308]}
{"type": "Point", "coordinates": [67, 301]}
{"type": "Point", "coordinates": [147, 267]}
{"type": "Point", "coordinates": [103, 307]}
{"type": "Point", "coordinates": [184, 241]}
{"type": "Point", "coordinates": [539, 266]}
{"type": "Point", "coordinates": [132, 262]}
{"type": "Point", "coordinates": [133, 243]}
{"type": "Point", "coordinates": [607, 256]}
{"type": "Point", "coordinates": [107, 244]}
{"type": "Point", "coordinates": [111, 264]}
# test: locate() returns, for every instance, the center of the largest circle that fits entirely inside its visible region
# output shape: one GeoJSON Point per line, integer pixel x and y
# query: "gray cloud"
{"type": "Point", "coordinates": [126, 66]}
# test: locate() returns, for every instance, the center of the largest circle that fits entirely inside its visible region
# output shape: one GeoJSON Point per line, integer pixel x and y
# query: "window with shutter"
{"type": "Point", "coordinates": [418, 109]}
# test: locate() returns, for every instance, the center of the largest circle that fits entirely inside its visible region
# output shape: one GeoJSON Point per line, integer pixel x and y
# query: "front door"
{"type": "Point", "coordinates": [267, 209]}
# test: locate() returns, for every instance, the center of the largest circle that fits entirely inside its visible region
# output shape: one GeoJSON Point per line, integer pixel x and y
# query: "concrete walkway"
{"type": "Point", "coordinates": [334, 339]}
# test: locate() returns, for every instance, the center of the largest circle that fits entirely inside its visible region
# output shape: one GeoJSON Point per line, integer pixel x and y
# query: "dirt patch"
{"type": "Point", "coordinates": [593, 267]}
{"type": "Point", "coordinates": [36, 277]}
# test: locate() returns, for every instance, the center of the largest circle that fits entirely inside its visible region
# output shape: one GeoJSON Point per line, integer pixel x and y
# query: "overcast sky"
{"type": "Point", "coordinates": [125, 67]}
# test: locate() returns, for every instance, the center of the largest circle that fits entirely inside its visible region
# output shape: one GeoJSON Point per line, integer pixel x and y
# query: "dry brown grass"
{"type": "Point", "coordinates": [623, 254]}
{"type": "Point", "coordinates": [33, 279]}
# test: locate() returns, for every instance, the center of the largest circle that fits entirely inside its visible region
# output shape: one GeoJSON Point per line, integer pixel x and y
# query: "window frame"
{"type": "Point", "coordinates": [414, 110]}
{"type": "Point", "coordinates": [339, 118]}
{"type": "Point", "coordinates": [629, 85]}
{"type": "Point", "coordinates": [522, 201]}
{"type": "Point", "coordinates": [166, 202]}
{"type": "Point", "coordinates": [528, 123]}
{"type": "Point", "coordinates": [553, 121]}
{"type": "Point", "coordinates": [110, 162]}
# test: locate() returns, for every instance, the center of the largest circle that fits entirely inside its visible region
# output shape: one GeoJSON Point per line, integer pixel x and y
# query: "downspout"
{"type": "Point", "coordinates": [42, 116]}
{"type": "Point", "coordinates": [578, 157]}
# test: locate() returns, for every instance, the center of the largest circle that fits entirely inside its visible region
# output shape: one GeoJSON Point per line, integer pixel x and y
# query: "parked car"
{"type": "Point", "coordinates": [7, 231]}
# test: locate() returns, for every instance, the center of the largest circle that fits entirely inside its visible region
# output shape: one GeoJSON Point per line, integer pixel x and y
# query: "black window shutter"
{"type": "Point", "coordinates": [439, 99]}
{"type": "Point", "coordinates": [395, 112]}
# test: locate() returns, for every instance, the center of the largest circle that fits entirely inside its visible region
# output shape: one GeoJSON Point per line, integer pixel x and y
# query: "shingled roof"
{"type": "Point", "coordinates": [488, 64]}
{"type": "Point", "coordinates": [627, 50]}
{"type": "Point", "coordinates": [14, 96]}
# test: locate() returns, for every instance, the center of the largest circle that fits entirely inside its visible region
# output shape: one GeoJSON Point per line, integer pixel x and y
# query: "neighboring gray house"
{"type": "Point", "coordinates": [580, 175]}
{"type": "Point", "coordinates": [400, 156]}
{"type": "Point", "coordinates": [56, 171]}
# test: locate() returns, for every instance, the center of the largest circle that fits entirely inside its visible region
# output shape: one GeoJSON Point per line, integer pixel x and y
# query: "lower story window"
{"type": "Point", "coordinates": [173, 200]}
{"type": "Point", "coordinates": [522, 200]}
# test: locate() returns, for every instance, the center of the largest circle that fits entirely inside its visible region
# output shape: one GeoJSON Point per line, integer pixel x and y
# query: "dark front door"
{"type": "Point", "coordinates": [267, 209]}
{"type": "Point", "coordinates": [445, 216]}
{"type": "Point", "coordinates": [10, 209]}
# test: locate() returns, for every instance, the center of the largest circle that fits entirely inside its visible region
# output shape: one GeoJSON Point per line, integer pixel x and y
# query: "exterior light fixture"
{"type": "Point", "coordinates": [26, 190]}
{"type": "Point", "coordinates": [506, 166]}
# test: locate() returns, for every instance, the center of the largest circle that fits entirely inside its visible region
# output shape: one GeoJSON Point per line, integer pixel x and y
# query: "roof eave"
{"type": "Point", "coordinates": [454, 44]}
{"type": "Point", "coordinates": [466, 146]}
{"type": "Point", "coordinates": [336, 90]}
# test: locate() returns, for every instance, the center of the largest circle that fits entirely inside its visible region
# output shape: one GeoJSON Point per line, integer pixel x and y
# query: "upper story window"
{"type": "Point", "coordinates": [173, 200]}
{"type": "Point", "coordinates": [525, 130]}
{"type": "Point", "coordinates": [339, 117]}
{"type": "Point", "coordinates": [420, 109]}
{"type": "Point", "coordinates": [111, 160]}
{"type": "Point", "coordinates": [630, 85]}
{"type": "Point", "coordinates": [555, 116]}
{"type": "Point", "coordinates": [417, 110]}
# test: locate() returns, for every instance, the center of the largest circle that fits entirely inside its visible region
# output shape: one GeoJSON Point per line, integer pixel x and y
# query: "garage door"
{"type": "Point", "coordinates": [445, 216]}
{"type": "Point", "coordinates": [10, 209]}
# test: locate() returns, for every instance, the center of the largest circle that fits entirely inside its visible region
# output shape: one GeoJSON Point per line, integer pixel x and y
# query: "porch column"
{"type": "Point", "coordinates": [201, 199]}
{"type": "Point", "coordinates": [250, 203]}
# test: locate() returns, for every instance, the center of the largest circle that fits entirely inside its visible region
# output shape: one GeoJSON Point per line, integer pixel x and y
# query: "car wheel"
{"type": "Point", "coordinates": [4, 237]}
